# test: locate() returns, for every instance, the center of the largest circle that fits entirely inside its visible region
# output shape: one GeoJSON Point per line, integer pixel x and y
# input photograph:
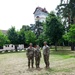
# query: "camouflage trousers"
{"type": "Point", "coordinates": [37, 62]}
{"type": "Point", "coordinates": [46, 60]}
{"type": "Point", "coordinates": [30, 61]}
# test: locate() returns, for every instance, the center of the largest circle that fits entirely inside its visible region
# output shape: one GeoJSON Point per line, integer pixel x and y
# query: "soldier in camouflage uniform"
{"type": "Point", "coordinates": [30, 55]}
{"type": "Point", "coordinates": [37, 56]}
{"type": "Point", "coordinates": [46, 52]}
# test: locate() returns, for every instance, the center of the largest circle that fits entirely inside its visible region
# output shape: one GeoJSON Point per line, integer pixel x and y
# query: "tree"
{"type": "Point", "coordinates": [72, 8]}
{"type": "Point", "coordinates": [70, 36]}
{"type": "Point", "coordinates": [64, 11]}
{"type": "Point", "coordinates": [30, 37]}
{"type": "Point", "coordinates": [25, 28]}
{"type": "Point", "coordinates": [40, 39]}
{"type": "Point", "coordinates": [38, 28]}
{"type": "Point", "coordinates": [3, 39]}
{"type": "Point", "coordinates": [21, 37]}
{"type": "Point", "coordinates": [68, 12]}
{"type": "Point", "coordinates": [54, 29]}
{"type": "Point", "coordinates": [13, 36]}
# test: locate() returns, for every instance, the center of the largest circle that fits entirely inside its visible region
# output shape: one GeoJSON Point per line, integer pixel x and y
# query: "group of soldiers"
{"type": "Point", "coordinates": [36, 53]}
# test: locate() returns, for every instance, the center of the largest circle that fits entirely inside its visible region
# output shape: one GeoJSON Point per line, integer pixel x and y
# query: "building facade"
{"type": "Point", "coordinates": [11, 47]}
{"type": "Point", "coordinates": [40, 14]}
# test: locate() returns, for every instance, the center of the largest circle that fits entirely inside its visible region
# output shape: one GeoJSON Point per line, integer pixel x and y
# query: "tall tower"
{"type": "Point", "coordinates": [40, 14]}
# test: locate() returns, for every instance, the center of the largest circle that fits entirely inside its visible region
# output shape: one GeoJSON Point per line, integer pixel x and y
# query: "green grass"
{"type": "Point", "coordinates": [62, 62]}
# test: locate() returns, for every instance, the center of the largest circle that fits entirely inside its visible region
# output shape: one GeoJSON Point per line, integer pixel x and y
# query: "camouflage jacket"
{"type": "Point", "coordinates": [30, 52]}
{"type": "Point", "coordinates": [37, 53]}
{"type": "Point", "coordinates": [46, 50]}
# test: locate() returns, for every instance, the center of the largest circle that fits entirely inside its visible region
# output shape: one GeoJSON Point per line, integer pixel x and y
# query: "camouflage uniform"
{"type": "Point", "coordinates": [30, 56]}
{"type": "Point", "coordinates": [46, 52]}
{"type": "Point", "coordinates": [37, 57]}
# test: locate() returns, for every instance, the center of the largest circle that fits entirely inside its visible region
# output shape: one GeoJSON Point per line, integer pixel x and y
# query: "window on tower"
{"type": "Point", "coordinates": [37, 17]}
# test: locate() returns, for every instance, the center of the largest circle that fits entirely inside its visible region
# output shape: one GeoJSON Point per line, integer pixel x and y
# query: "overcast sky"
{"type": "Point", "coordinates": [20, 12]}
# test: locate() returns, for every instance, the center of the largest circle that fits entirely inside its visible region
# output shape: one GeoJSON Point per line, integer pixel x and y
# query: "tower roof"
{"type": "Point", "coordinates": [42, 9]}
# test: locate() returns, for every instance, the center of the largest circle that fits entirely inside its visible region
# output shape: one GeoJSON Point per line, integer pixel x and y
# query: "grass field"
{"type": "Point", "coordinates": [62, 62]}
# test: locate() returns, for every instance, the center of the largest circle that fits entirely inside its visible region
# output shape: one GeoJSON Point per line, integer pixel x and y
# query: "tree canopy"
{"type": "Point", "coordinates": [12, 35]}
{"type": "Point", "coordinates": [70, 36]}
{"type": "Point", "coordinates": [38, 28]}
{"type": "Point", "coordinates": [30, 37]}
{"type": "Point", "coordinates": [3, 39]}
{"type": "Point", "coordinates": [21, 37]}
{"type": "Point", "coordinates": [54, 28]}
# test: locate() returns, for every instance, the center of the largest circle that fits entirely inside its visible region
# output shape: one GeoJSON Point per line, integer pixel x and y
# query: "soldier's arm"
{"type": "Point", "coordinates": [48, 49]}
{"type": "Point", "coordinates": [34, 53]}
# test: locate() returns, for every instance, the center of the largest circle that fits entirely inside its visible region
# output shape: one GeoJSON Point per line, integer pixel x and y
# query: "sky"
{"type": "Point", "coordinates": [20, 12]}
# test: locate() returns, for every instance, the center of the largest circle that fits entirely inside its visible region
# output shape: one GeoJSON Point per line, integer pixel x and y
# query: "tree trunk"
{"type": "Point", "coordinates": [16, 48]}
{"type": "Point", "coordinates": [72, 46]}
{"type": "Point", "coordinates": [55, 46]}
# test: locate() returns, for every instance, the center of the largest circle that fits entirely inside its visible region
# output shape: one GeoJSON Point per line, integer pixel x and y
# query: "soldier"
{"type": "Point", "coordinates": [30, 55]}
{"type": "Point", "coordinates": [37, 56]}
{"type": "Point", "coordinates": [46, 52]}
